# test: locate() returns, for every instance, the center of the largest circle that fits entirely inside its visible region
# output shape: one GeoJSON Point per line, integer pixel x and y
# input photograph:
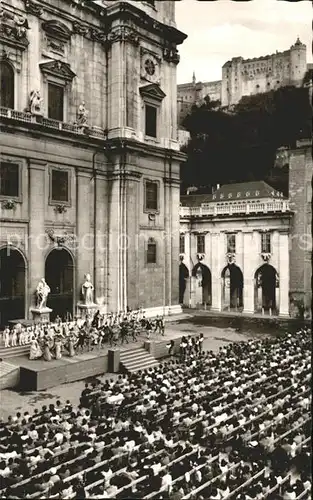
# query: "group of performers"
{"type": "Point", "coordinates": [50, 340]}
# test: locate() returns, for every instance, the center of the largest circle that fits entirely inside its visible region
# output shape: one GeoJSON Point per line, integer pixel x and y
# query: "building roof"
{"type": "Point", "coordinates": [233, 192]}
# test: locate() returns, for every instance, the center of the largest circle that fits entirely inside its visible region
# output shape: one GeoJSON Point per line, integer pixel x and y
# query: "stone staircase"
{"type": "Point", "coordinates": [12, 352]}
{"type": "Point", "coordinates": [9, 375]}
{"type": "Point", "coordinates": [136, 359]}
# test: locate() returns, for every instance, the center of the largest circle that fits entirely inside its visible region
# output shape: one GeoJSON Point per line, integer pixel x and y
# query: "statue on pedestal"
{"type": "Point", "coordinates": [82, 115]}
{"type": "Point", "coordinates": [35, 102]}
{"type": "Point", "coordinates": [42, 292]}
{"type": "Point", "coordinates": [87, 290]}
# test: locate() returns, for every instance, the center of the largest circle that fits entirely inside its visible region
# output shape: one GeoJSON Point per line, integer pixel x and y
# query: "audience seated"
{"type": "Point", "coordinates": [235, 424]}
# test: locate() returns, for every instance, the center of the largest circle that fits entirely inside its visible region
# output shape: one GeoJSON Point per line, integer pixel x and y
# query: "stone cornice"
{"type": "Point", "coordinates": [33, 8]}
{"type": "Point", "coordinates": [171, 182]}
{"type": "Point", "coordinates": [124, 174]}
{"type": "Point", "coordinates": [127, 12]}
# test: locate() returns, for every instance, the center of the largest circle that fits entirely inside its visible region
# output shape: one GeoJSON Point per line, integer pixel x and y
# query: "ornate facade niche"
{"type": "Point", "coordinates": [152, 91]}
{"type": "Point", "coordinates": [171, 55]}
{"type": "Point", "coordinates": [123, 34]}
{"type": "Point", "coordinates": [57, 34]}
{"type": "Point", "coordinates": [13, 30]}
{"type": "Point", "coordinates": [58, 69]}
{"type": "Point", "coordinates": [33, 8]}
{"type": "Point", "coordinates": [150, 66]}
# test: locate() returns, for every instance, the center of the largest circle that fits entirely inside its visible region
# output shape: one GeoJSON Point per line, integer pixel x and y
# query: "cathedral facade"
{"type": "Point", "coordinates": [89, 179]}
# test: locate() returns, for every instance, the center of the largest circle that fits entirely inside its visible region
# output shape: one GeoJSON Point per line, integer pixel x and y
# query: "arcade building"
{"type": "Point", "coordinates": [89, 172]}
{"type": "Point", "coordinates": [234, 249]}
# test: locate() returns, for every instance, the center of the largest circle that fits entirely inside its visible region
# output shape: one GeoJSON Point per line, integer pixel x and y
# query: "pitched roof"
{"type": "Point", "coordinates": [233, 192]}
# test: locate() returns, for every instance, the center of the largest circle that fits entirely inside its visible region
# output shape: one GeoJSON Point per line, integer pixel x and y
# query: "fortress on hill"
{"type": "Point", "coordinates": [243, 77]}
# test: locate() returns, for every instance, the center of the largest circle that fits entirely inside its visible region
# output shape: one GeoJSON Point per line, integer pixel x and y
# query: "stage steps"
{"type": "Point", "coordinates": [9, 375]}
{"type": "Point", "coordinates": [136, 359]}
{"type": "Point", "coordinates": [12, 352]}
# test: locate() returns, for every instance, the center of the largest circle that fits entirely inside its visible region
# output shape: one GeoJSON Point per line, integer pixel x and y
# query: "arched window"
{"type": "Point", "coordinates": [151, 251]}
{"type": "Point", "coordinates": [7, 85]}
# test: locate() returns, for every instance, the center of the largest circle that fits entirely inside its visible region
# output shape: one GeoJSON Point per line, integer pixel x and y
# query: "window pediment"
{"type": "Point", "coordinates": [58, 68]}
{"type": "Point", "coordinates": [153, 91]}
{"type": "Point", "coordinates": [57, 30]}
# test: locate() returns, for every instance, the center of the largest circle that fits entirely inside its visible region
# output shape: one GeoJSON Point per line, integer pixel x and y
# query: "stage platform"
{"type": "Point", "coordinates": [37, 375]}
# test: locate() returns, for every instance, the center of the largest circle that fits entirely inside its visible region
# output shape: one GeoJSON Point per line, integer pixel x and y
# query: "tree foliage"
{"type": "Point", "coordinates": [240, 145]}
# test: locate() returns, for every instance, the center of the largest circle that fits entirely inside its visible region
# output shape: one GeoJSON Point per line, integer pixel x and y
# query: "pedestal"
{"type": "Point", "coordinates": [41, 315]}
{"type": "Point", "coordinates": [87, 310]}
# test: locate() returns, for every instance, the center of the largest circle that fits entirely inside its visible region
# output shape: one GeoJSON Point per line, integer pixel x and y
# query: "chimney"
{"type": "Point", "coordinates": [217, 186]}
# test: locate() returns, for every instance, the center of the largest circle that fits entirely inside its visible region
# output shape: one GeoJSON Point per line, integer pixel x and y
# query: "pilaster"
{"type": "Point", "coordinates": [84, 234]}
{"type": "Point", "coordinates": [217, 252]}
{"type": "Point", "coordinates": [37, 242]}
{"type": "Point", "coordinates": [283, 274]}
{"type": "Point", "coordinates": [248, 277]}
{"type": "Point", "coordinates": [101, 238]}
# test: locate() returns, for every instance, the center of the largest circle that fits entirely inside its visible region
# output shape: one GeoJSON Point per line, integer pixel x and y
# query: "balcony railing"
{"type": "Point", "coordinates": [22, 116]}
{"type": "Point", "coordinates": [215, 209]}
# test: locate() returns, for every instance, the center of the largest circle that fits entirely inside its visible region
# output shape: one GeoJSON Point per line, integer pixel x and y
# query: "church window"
{"type": "Point", "coordinates": [55, 102]}
{"type": "Point", "coordinates": [182, 243]}
{"type": "Point", "coordinates": [9, 179]}
{"type": "Point", "coordinates": [231, 242]}
{"type": "Point", "coordinates": [151, 251]}
{"type": "Point", "coordinates": [151, 120]}
{"type": "Point", "coordinates": [266, 242]}
{"type": "Point", "coordinates": [7, 85]}
{"type": "Point", "coordinates": [59, 185]}
{"type": "Point", "coordinates": [200, 243]}
{"type": "Point", "coordinates": [151, 196]}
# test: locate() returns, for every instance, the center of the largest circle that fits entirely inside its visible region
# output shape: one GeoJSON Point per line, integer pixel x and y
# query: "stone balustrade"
{"type": "Point", "coordinates": [26, 117]}
{"type": "Point", "coordinates": [234, 208]}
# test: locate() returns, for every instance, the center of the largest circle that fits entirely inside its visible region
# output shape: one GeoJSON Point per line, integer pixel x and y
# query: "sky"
{"type": "Point", "coordinates": [222, 29]}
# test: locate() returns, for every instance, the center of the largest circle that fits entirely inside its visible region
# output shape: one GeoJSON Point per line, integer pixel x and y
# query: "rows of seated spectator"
{"type": "Point", "coordinates": [230, 425]}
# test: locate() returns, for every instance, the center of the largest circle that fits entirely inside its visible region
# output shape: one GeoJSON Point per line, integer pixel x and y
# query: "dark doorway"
{"type": "Point", "coordinates": [12, 285]}
{"type": "Point", "coordinates": [59, 274]}
{"type": "Point", "coordinates": [266, 281]}
{"type": "Point", "coordinates": [232, 287]}
{"type": "Point", "coordinates": [204, 274]}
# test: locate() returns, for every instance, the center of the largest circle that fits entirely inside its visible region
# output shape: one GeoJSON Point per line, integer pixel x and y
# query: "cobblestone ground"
{"type": "Point", "coordinates": [12, 401]}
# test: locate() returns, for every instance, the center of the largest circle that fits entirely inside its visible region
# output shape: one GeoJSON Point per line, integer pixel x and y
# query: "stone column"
{"type": "Point", "coordinates": [283, 274]}
{"type": "Point", "coordinates": [84, 233]}
{"type": "Point", "coordinates": [217, 253]}
{"type": "Point", "coordinates": [37, 240]}
{"type": "Point", "coordinates": [248, 278]}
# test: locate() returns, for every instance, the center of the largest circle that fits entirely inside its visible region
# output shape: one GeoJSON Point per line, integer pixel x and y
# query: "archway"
{"type": "Point", "coordinates": [232, 287]}
{"type": "Point", "coordinates": [203, 273]}
{"type": "Point", "coordinates": [59, 274]}
{"type": "Point", "coordinates": [12, 285]}
{"type": "Point", "coordinates": [266, 282]}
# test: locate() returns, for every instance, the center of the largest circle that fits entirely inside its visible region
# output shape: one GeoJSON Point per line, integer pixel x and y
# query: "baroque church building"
{"type": "Point", "coordinates": [89, 172]}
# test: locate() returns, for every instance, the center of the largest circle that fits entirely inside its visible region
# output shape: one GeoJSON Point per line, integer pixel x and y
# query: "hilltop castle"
{"type": "Point", "coordinates": [242, 77]}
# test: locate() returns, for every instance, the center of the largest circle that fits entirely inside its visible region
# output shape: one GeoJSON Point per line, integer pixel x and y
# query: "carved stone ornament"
{"type": "Point", "coordinates": [80, 29]}
{"type": "Point", "coordinates": [266, 256]}
{"type": "Point", "coordinates": [33, 8]}
{"type": "Point", "coordinates": [13, 29]}
{"type": "Point", "coordinates": [181, 257]}
{"type": "Point", "coordinates": [98, 35]}
{"type": "Point", "coordinates": [171, 55]}
{"type": "Point", "coordinates": [123, 34]}
{"type": "Point", "coordinates": [200, 256]}
{"type": "Point", "coordinates": [59, 239]}
{"type": "Point", "coordinates": [8, 204]}
{"type": "Point", "coordinates": [231, 258]}
{"type": "Point", "coordinates": [58, 68]}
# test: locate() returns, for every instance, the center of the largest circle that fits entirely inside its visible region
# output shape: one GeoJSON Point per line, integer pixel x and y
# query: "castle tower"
{"type": "Point", "coordinates": [297, 62]}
